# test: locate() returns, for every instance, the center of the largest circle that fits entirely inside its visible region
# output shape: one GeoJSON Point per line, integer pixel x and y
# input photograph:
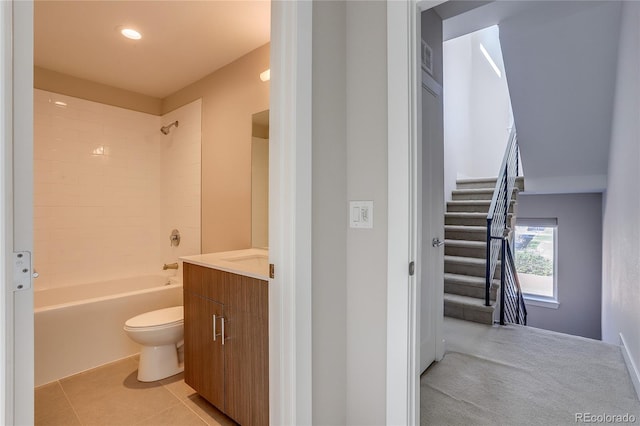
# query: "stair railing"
{"type": "Point", "coordinates": [497, 217]}
{"type": "Point", "coordinates": [512, 307]}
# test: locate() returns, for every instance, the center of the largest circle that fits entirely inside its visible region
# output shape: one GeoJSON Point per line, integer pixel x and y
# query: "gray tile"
{"type": "Point", "coordinates": [209, 413]}
{"type": "Point", "coordinates": [177, 386]}
{"type": "Point", "coordinates": [112, 395]}
{"type": "Point", "coordinates": [178, 415]}
{"type": "Point", "coordinates": [195, 402]}
{"type": "Point", "coordinates": [52, 407]}
{"type": "Point", "coordinates": [100, 380]}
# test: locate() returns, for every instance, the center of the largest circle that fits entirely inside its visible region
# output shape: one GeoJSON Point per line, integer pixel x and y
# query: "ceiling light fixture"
{"type": "Point", "coordinates": [131, 33]}
{"type": "Point", "coordinates": [265, 75]}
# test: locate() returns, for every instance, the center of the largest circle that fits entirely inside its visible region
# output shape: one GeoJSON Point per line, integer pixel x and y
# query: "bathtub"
{"type": "Point", "coordinates": [80, 327]}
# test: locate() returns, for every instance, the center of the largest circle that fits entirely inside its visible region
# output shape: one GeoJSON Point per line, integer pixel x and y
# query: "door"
{"type": "Point", "coordinates": [432, 271]}
{"type": "Point", "coordinates": [203, 350]}
{"type": "Point", "coordinates": [16, 235]}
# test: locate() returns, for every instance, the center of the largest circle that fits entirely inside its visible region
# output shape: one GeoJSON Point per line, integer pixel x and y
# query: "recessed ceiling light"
{"type": "Point", "coordinates": [265, 75]}
{"type": "Point", "coordinates": [131, 33]}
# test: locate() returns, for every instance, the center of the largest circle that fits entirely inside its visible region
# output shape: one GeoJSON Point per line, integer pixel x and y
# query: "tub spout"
{"type": "Point", "coordinates": [169, 266]}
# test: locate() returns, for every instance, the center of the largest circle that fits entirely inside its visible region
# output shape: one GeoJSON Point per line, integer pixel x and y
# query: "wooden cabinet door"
{"type": "Point", "coordinates": [246, 351]}
{"type": "Point", "coordinates": [204, 356]}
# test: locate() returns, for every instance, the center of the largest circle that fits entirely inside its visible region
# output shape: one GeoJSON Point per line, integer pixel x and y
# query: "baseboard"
{"type": "Point", "coordinates": [631, 366]}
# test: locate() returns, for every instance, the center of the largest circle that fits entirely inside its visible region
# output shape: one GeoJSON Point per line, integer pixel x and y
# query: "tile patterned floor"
{"type": "Point", "coordinates": [111, 396]}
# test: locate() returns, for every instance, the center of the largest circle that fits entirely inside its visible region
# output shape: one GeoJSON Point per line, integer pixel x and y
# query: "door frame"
{"type": "Point", "coordinates": [404, 128]}
{"type": "Point", "coordinates": [290, 212]}
{"type": "Point", "coordinates": [402, 292]}
{"type": "Point", "coordinates": [17, 346]}
{"type": "Point", "coordinates": [6, 243]}
{"type": "Point", "coordinates": [290, 327]}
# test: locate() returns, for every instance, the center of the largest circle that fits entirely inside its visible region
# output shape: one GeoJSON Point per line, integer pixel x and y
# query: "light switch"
{"type": "Point", "coordinates": [361, 214]}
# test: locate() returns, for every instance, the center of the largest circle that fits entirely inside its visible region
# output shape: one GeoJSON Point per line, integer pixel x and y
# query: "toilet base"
{"type": "Point", "coordinates": [158, 362]}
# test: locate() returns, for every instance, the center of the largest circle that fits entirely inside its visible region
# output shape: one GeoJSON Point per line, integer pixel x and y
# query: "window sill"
{"type": "Point", "coordinates": [541, 302]}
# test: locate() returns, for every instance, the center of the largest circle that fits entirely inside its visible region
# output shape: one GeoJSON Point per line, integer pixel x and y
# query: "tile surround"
{"type": "Point", "coordinates": [109, 187]}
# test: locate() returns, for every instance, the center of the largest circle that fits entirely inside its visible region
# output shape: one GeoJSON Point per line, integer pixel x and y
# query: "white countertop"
{"type": "Point", "coordinates": [252, 262]}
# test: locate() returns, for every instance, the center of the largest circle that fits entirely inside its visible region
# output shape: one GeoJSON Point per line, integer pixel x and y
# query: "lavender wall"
{"type": "Point", "coordinates": [579, 265]}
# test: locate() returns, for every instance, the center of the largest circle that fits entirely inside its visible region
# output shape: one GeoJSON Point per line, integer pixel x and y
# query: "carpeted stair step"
{"type": "Point", "coordinates": [464, 248]}
{"type": "Point", "coordinates": [466, 285]}
{"type": "Point", "coordinates": [467, 218]}
{"type": "Point", "coordinates": [477, 206]}
{"type": "Point", "coordinates": [472, 194]}
{"type": "Point", "coordinates": [470, 206]}
{"type": "Point", "coordinates": [475, 194]}
{"type": "Point", "coordinates": [479, 183]}
{"type": "Point", "coordinates": [467, 266]}
{"type": "Point", "coordinates": [467, 308]}
{"type": "Point", "coordinates": [468, 233]}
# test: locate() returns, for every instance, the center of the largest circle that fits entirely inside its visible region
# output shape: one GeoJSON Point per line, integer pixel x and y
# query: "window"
{"type": "Point", "coordinates": [535, 253]}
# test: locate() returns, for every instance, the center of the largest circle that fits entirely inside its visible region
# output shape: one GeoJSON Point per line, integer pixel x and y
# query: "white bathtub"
{"type": "Point", "coordinates": [80, 327]}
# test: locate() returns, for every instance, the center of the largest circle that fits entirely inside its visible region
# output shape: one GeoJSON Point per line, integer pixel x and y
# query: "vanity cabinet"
{"type": "Point", "coordinates": [226, 341]}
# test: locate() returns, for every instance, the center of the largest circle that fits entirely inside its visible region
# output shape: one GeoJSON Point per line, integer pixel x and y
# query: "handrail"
{"type": "Point", "coordinates": [512, 306]}
{"type": "Point", "coordinates": [498, 214]}
{"type": "Point", "coordinates": [512, 141]}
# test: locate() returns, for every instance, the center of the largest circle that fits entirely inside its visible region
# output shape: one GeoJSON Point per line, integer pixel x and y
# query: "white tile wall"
{"type": "Point", "coordinates": [181, 170]}
{"type": "Point", "coordinates": [107, 190]}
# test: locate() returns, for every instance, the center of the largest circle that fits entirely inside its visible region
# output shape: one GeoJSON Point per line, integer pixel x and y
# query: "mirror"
{"type": "Point", "coordinates": [260, 179]}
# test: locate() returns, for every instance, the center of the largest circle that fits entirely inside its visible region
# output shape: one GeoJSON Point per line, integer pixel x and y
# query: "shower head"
{"type": "Point", "coordinates": [166, 129]}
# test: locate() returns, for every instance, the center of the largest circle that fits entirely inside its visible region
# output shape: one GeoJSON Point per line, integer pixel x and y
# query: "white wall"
{"type": "Point", "coordinates": [621, 228]}
{"type": "Point", "coordinates": [180, 182]}
{"type": "Point", "coordinates": [579, 271]}
{"type": "Point", "coordinates": [96, 191]}
{"type": "Point", "coordinates": [104, 180]}
{"type": "Point", "coordinates": [349, 163]}
{"type": "Point", "coordinates": [457, 121]}
{"type": "Point", "coordinates": [490, 113]}
{"type": "Point", "coordinates": [366, 153]}
{"type": "Point", "coordinates": [329, 229]}
{"type": "Point", "coordinates": [477, 108]}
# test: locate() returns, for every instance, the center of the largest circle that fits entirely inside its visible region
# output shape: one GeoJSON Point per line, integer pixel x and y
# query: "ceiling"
{"type": "Point", "coordinates": [182, 41]}
{"type": "Point", "coordinates": [560, 64]}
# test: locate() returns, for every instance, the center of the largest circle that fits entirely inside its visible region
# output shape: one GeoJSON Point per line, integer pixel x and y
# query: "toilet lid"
{"type": "Point", "coordinates": [166, 316]}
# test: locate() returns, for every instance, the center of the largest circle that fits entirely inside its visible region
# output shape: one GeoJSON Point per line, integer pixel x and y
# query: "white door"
{"type": "Point", "coordinates": [432, 193]}
{"type": "Point", "coordinates": [17, 210]}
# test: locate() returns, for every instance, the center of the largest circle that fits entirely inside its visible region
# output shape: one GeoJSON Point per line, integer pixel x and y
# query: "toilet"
{"type": "Point", "coordinates": [160, 333]}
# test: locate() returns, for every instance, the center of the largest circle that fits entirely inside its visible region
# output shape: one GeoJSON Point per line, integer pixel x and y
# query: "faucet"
{"type": "Point", "coordinates": [169, 266]}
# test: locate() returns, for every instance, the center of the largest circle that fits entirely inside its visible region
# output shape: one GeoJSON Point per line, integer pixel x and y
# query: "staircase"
{"type": "Point", "coordinates": [465, 248]}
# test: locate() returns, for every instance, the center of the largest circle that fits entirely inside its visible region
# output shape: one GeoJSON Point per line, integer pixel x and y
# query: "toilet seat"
{"type": "Point", "coordinates": [162, 318]}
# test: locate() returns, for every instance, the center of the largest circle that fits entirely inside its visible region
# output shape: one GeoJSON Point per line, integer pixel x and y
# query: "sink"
{"type": "Point", "coordinates": [252, 261]}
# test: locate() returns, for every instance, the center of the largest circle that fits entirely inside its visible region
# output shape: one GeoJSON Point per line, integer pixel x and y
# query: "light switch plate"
{"type": "Point", "coordinates": [361, 214]}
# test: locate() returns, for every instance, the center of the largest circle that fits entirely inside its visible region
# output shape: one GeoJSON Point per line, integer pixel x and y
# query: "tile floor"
{"type": "Point", "coordinates": [110, 395]}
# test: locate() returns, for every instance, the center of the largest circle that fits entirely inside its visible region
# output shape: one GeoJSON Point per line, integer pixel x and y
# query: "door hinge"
{"type": "Point", "coordinates": [22, 273]}
{"type": "Point", "coordinates": [272, 270]}
{"type": "Point", "coordinates": [412, 268]}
